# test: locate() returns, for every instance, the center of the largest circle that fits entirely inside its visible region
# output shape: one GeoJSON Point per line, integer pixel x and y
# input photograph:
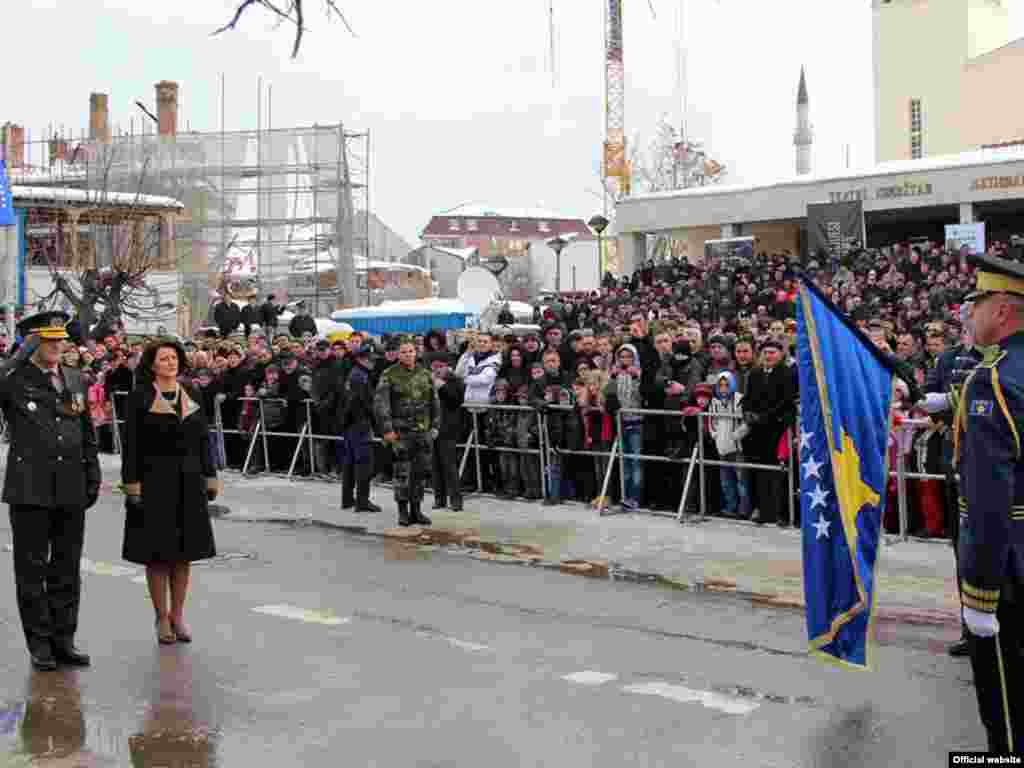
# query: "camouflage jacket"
{"type": "Point", "coordinates": [406, 401]}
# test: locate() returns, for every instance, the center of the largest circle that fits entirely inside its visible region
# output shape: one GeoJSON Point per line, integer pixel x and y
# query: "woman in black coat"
{"type": "Point", "coordinates": [169, 478]}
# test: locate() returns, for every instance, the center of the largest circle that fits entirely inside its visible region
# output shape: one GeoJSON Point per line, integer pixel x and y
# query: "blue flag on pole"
{"type": "Point", "coordinates": [6, 204]}
{"type": "Point", "coordinates": [845, 392]}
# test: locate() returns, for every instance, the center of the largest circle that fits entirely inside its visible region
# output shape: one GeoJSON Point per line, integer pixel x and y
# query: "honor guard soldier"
{"type": "Point", "coordinates": [53, 477]}
{"type": "Point", "coordinates": [987, 452]}
{"type": "Point", "coordinates": [944, 389]}
{"type": "Point", "coordinates": [408, 414]}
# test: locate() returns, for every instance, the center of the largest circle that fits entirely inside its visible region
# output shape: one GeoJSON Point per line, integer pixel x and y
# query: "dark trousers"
{"type": "Point", "coordinates": [48, 583]}
{"type": "Point", "coordinates": [445, 470]}
{"type": "Point", "coordinates": [996, 662]}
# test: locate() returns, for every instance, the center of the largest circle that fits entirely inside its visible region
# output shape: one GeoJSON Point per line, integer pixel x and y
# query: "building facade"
{"type": "Point", "coordinates": [517, 234]}
{"type": "Point", "coordinates": [929, 59]}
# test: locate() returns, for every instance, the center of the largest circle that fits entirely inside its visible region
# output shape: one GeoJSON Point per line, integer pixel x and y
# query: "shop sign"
{"type": "Point", "coordinates": [889, 192]}
{"type": "Point", "coordinates": [997, 182]}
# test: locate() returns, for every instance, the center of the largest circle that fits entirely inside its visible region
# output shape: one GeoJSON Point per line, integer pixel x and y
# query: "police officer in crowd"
{"type": "Point", "coordinates": [354, 420]}
{"type": "Point", "coordinates": [987, 451]}
{"type": "Point", "coordinates": [944, 389]}
{"type": "Point", "coordinates": [408, 415]}
{"type": "Point", "coordinates": [53, 477]}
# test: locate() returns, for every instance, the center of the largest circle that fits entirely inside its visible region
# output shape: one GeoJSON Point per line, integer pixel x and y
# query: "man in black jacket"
{"type": "Point", "coordinates": [768, 408]}
{"type": "Point", "coordinates": [451, 391]}
{"type": "Point", "coordinates": [53, 477]}
{"type": "Point", "coordinates": [353, 409]}
{"type": "Point", "coordinates": [270, 312]}
{"type": "Point", "coordinates": [227, 316]}
{"type": "Point", "coordinates": [252, 314]}
{"type": "Point", "coordinates": [301, 323]}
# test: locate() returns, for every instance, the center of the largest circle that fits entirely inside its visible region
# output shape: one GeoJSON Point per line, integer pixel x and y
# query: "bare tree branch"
{"type": "Point", "coordinates": [294, 13]}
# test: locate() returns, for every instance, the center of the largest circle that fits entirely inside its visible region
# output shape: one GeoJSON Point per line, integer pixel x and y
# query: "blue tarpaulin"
{"type": "Point", "coordinates": [416, 316]}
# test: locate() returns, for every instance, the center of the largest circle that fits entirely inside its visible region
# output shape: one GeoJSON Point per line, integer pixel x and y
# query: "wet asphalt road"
{"type": "Point", "coordinates": [321, 649]}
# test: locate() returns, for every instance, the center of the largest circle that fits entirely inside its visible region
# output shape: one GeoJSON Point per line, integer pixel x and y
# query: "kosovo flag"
{"type": "Point", "coordinates": [6, 206]}
{"type": "Point", "coordinates": [846, 387]}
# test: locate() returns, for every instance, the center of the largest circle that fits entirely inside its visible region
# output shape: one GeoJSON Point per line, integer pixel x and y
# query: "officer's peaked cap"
{"type": "Point", "coordinates": [995, 275]}
{"type": "Point", "coordinates": [49, 325]}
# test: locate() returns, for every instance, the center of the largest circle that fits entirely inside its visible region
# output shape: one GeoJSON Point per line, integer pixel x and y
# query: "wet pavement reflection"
{"type": "Point", "coordinates": [50, 726]}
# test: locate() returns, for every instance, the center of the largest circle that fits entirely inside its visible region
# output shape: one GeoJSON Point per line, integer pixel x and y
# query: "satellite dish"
{"type": "Point", "coordinates": [477, 288]}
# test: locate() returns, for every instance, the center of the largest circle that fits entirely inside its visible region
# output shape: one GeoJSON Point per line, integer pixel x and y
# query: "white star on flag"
{"type": "Point", "coordinates": [821, 527]}
{"type": "Point", "coordinates": [818, 496]}
{"type": "Point", "coordinates": [811, 468]}
{"type": "Point", "coordinates": [805, 438]}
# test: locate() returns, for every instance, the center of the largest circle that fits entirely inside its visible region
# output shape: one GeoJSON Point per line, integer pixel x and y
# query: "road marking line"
{"type": "Point", "coordinates": [466, 645]}
{"type": "Point", "coordinates": [681, 693]}
{"type": "Point", "coordinates": [303, 614]}
{"type": "Point", "coordinates": [589, 677]}
{"type": "Point", "coordinates": [106, 569]}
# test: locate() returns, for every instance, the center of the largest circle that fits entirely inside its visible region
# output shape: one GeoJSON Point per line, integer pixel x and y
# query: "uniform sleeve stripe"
{"type": "Point", "coordinates": [1001, 399]}
{"type": "Point", "coordinates": [978, 605]}
{"type": "Point", "coordinates": [979, 594]}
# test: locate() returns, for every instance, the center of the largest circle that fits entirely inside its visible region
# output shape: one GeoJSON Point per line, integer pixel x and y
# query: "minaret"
{"type": "Point", "coordinates": [802, 137]}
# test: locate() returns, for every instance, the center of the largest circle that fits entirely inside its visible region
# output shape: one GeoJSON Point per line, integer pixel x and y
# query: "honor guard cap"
{"type": "Point", "coordinates": [49, 325]}
{"type": "Point", "coordinates": [995, 275]}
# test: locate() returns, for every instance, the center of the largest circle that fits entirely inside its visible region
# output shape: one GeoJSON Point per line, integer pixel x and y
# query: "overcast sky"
{"type": "Point", "coordinates": [457, 94]}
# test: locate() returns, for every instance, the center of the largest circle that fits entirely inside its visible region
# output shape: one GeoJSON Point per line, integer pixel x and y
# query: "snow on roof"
{"type": "Point", "coordinates": [24, 194]}
{"type": "Point", "coordinates": [460, 253]}
{"type": "Point", "coordinates": [484, 211]}
{"type": "Point", "coordinates": [979, 157]}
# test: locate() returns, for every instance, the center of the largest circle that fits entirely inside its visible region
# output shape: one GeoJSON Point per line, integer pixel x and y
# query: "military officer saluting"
{"type": "Point", "coordinates": [53, 477]}
{"type": "Point", "coordinates": [409, 415]}
{"type": "Point", "coordinates": [987, 452]}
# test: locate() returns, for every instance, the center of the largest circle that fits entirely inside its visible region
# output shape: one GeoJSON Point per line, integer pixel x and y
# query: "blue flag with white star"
{"type": "Point", "coordinates": [6, 204]}
{"type": "Point", "coordinates": [845, 391]}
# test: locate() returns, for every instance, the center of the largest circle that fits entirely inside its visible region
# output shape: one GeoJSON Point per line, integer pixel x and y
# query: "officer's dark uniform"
{"type": "Point", "coordinates": [53, 476]}
{"type": "Point", "coordinates": [947, 377]}
{"type": "Point", "coordinates": [354, 417]}
{"type": "Point", "coordinates": [987, 451]}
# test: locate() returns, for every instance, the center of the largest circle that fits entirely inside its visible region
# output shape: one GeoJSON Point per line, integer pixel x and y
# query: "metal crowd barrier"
{"type": "Point", "coordinates": [307, 438]}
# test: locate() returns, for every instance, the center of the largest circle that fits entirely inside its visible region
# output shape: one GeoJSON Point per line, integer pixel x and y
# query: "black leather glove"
{"type": "Point", "coordinates": [133, 502]}
{"type": "Point", "coordinates": [25, 351]}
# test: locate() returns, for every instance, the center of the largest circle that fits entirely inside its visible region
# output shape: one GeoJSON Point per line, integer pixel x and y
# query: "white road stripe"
{"type": "Point", "coordinates": [303, 614]}
{"type": "Point", "coordinates": [106, 569]}
{"type": "Point", "coordinates": [466, 645]}
{"type": "Point", "coordinates": [709, 699]}
{"type": "Point", "coordinates": [589, 677]}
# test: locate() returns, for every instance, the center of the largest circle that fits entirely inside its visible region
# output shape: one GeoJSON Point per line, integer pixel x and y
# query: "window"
{"type": "Point", "coordinates": [543, 226]}
{"type": "Point", "coordinates": [471, 225]}
{"type": "Point", "coordinates": [453, 224]}
{"type": "Point", "coordinates": [916, 144]}
{"type": "Point", "coordinates": [513, 226]}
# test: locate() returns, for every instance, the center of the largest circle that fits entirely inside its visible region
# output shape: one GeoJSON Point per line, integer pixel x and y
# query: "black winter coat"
{"type": "Point", "coordinates": [771, 396]}
{"type": "Point", "coordinates": [227, 316]}
{"type": "Point", "coordinates": [451, 396]}
{"type": "Point", "coordinates": [165, 460]}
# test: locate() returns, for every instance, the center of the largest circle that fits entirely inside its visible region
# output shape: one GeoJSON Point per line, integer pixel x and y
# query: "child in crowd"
{"type": "Point", "coordinates": [696, 426]}
{"type": "Point", "coordinates": [598, 427]}
{"type": "Point", "coordinates": [728, 430]}
{"type": "Point", "coordinates": [503, 435]}
{"type": "Point", "coordinates": [528, 438]}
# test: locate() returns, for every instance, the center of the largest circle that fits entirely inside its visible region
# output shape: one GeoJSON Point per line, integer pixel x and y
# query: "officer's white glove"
{"type": "Point", "coordinates": [981, 624]}
{"type": "Point", "coordinates": [935, 402]}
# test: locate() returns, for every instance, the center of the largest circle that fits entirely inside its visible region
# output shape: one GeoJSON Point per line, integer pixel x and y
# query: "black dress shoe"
{"type": "Point", "coordinates": [347, 504]}
{"type": "Point", "coordinates": [69, 655]}
{"type": "Point", "coordinates": [959, 648]}
{"type": "Point", "coordinates": [456, 506]}
{"type": "Point", "coordinates": [42, 658]}
{"type": "Point", "coordinates": [440, 504]}
{"type": "Point", "coordinates": [367, 506]}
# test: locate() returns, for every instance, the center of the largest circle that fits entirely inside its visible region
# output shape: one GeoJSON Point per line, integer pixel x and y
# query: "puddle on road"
{"type": "Point", "coordinates": [395, 550]}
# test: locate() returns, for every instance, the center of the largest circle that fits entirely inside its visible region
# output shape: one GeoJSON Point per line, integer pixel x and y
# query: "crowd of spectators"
{"type": "Point", "coordinates": [710, 348]}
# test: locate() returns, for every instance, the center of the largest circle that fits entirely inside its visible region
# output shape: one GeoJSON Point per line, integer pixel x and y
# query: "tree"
{"type": "Point", "coordinates": [102, 278]}
{"type": "Point", "coordinates": [292, 12]}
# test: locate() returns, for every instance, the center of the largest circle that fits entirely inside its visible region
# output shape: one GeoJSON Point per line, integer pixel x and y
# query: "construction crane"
{"type": "Point", "coordinates": [615, 165]}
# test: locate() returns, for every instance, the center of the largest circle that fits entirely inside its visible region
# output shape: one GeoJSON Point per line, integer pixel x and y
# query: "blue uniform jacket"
{"type": "Point", "coordinates": [989, 424]}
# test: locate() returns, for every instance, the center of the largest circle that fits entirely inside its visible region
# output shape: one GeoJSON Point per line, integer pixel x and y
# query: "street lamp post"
{"type": "Point", "coordinates": [557, 244]}
{"type": "Point", "coordinates": [598, 223]}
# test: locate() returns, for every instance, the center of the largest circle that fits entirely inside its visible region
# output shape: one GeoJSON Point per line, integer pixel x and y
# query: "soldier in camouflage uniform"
{"type": "Point", "coordinates": [409, 414]}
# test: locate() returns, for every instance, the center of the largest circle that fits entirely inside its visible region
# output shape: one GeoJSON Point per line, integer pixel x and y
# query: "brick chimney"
{"type": "Point", "coordinates": [14, 145]}
{"type": "Point", "coordinates": [99, 118]}
{"type": "Point", "coordinates": [167, 107]}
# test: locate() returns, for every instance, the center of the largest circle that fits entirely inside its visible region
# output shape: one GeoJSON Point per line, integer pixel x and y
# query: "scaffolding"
{"type": "Point", "coordinates": [283, 211]}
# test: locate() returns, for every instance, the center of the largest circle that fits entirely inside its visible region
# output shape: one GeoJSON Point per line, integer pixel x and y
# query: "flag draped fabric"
{"type": "Point", "coordinates": [6, 205]}
{"type": "Point", "coordinates": [845, 393]}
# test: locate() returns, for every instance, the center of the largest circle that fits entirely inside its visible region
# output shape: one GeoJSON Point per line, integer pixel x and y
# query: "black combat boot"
{"type": "Point", "coordinates": [418, 518]}
{"type": "Point", "coordinates": [456, 505]}
{"type": "Point", "coordinates": [440, 502]}
{"type": "Point", "coordinates": [348, 487]}
{"type": "Point", "coordinates": [403, 514]}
